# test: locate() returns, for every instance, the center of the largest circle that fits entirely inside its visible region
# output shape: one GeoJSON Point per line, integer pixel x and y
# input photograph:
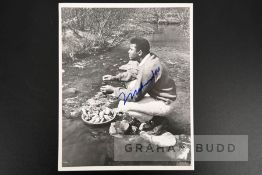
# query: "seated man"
{"type": "Point", "coordinates": [153, 92]}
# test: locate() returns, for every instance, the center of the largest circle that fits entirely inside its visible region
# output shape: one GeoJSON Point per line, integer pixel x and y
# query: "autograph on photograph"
{"type": "Point", "coordinates": [132, 94]}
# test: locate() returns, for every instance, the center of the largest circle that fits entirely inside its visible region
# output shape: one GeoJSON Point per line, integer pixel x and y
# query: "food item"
{"type": "Point", "coordinates": [95, 116]}
{"type": "Point", "coordinates": [92, 120]}
{"type": "Point", "coordinates": [84, 112]}
{"type": "Point", "coordinates": [98, 106]}
{"type": "Point", "coordinates": [101, 114]}
{"type": "Point", "coordinates": [107, 117]}
{"type": "Point", "coordinates": [102, 120]}
{"type": "Point", "coordinates": [107, 110]}
{"type": "Point", "coordinates": [96, 120]}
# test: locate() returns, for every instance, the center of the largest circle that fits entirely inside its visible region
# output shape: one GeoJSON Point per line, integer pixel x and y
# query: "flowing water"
{"type": "Point", "coordinates": [85, 145]}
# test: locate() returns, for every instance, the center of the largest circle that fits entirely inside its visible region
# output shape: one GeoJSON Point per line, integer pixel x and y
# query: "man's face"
{"type": "Point", "coordinates": [133, 54]}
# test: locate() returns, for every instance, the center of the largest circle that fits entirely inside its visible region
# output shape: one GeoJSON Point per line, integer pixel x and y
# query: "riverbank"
{"type": "Point", "coordinates": [83, 79]}
{"type": "Point", "coordinates": [79, 44]}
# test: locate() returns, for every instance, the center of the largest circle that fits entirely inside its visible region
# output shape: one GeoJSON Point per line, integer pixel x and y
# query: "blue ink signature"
{"type": "Point", "coordinates": [131, 95]}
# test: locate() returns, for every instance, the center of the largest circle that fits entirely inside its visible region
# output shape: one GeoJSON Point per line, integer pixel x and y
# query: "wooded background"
{"type": "Point", "coordinates": [91, 30]}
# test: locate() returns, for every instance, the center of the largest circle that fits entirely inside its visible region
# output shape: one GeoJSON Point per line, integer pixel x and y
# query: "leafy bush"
{"type": "Point", "coordinates": [89, 30]}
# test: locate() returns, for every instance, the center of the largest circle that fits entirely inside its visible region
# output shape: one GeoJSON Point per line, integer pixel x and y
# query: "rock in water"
{"type": "Point", "coordinates": [164, 140]}
{"type": "Point", "coordinates": [70, 92]}
{"type": "Point", "coordinates": [124, 125]}
{"type": "Point", "coordinates": [118, 128]}
{"type": "Point", "coordinates": [75, 113]}
{"type": "Point", "coordinates": [112, 129]}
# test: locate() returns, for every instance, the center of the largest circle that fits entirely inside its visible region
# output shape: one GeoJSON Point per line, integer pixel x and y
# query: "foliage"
{"type": "Point", "coordinates": [89, 30]}
{"type": "Point", "coordinates": [184, 17]}
{"type": "Point", "coordinates": [94, 29]}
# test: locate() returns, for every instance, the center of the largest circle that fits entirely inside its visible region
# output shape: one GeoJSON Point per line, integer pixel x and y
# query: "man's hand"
{"type": "Point", "coordinates": [107, 89]}
{"type": "Point", "coordinates": [107, 77]}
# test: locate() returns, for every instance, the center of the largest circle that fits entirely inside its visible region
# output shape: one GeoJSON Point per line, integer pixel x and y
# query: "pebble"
{"type": "Point", "coordinates": [75, 113]}
{"type": "Point", "coordinates": [70, 92]}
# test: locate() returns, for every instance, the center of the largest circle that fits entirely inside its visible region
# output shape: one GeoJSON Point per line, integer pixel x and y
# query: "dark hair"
{"type": "Point", "coordinates": [141, 44]}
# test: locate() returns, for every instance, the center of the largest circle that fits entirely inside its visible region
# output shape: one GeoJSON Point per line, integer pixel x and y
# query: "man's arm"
{"type": "Point", "coordinates": [124, 76]}
{"type": "Point", "coordinates": [146, 80]}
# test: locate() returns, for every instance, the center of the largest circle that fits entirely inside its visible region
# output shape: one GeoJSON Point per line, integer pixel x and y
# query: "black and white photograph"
{"type": "Point", "coordinates": [125, 86]}
{"type": "Point", "coordinates": [131, 88]}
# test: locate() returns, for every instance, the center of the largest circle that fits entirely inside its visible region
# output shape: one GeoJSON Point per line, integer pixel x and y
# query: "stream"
{"type": "Point", "coordinates": [85, 145]}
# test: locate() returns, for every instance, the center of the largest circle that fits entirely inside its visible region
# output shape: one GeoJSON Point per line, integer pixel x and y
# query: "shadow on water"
{"type": "Point", "coordinates": [84, 145]}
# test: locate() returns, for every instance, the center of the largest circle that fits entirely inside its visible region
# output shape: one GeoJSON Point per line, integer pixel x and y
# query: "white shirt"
{"type": "Point", "coordinates": [144, 59]}
{"type": "Point", "coordinates": [132, 83]}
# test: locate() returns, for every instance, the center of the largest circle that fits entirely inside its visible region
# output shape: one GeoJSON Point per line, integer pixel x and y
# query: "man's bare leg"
{"type": "Point", "coordinates": [142, 117]}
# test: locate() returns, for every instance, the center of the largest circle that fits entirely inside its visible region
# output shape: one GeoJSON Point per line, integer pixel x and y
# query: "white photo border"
{"type": "Point", "coordinates": [125, 5]}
